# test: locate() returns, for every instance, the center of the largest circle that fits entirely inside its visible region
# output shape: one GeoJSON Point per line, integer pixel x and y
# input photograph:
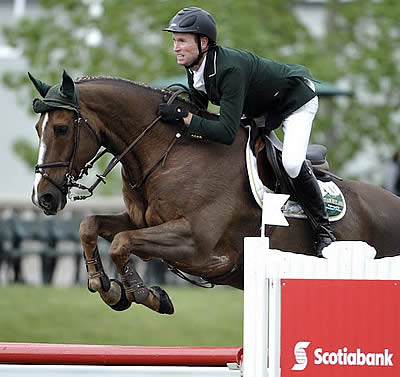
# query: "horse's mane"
{"type": "Point", "coordinates": [122, 81]}
{"type": "Point", "coordinates": [163, 91]}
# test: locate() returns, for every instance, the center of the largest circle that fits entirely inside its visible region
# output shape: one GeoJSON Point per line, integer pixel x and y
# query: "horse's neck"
{"type": "Point", "coordinates": [124, 115]}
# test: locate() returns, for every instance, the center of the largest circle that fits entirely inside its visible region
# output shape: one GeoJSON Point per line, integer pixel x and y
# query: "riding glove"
{"type": "Point", "coordinates": [171, 113]}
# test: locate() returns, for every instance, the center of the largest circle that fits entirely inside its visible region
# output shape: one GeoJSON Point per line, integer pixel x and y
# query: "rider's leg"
{"type": "Point", "coordinates": [297, 130]}
{"type": "Point", "coordinates": [310, 197]}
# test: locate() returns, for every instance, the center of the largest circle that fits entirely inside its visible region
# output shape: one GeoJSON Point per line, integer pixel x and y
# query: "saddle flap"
{"type": "Point", "coordinates": [269, 161]}
{"type": "Point", "coordinates": [316, 153]}
{"type": "Point", "coordinates": [264, 168]}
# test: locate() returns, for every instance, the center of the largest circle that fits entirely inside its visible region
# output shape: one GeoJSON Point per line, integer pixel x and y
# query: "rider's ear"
{"type": "Point", "coordinates": [40, 86]}
{"type": "Point", "coordinates": [204, 42]}
{"type": "Point", "coordinates": [67, 86]}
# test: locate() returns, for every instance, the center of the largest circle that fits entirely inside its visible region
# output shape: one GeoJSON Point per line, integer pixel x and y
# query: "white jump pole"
{"type": "Point", "coordinates": [258, 336]}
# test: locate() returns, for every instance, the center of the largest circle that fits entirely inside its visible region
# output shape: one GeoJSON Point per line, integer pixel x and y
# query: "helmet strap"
{"type": "Point", "coordinates": [199, 56]}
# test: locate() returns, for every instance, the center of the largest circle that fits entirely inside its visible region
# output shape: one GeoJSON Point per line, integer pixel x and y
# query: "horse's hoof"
{"type": "Point", "coordinates": [166, 306]}
{"type": "Point", "coordinates": [123, 302]}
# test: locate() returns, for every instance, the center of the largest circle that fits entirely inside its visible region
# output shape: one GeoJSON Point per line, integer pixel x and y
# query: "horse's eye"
{"type": "Point", "coordinates": [61, 130]}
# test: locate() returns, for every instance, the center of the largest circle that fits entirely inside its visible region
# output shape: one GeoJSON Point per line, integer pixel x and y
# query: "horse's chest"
{"type": "Point", "coordinates": [158, 212]}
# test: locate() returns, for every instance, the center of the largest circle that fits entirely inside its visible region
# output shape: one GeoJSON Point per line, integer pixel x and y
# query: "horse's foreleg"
{"type": "Point", "coordinates": [111, 291]}
{"type": "Point", "coordinates": [170, 241]}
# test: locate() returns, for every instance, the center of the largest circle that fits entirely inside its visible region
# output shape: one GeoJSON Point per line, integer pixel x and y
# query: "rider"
{"type": "Point", "coordinates": [243, 83]}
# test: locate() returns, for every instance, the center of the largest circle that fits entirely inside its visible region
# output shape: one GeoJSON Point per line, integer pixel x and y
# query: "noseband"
{"type": "Point", "coordinates": [70, 181]}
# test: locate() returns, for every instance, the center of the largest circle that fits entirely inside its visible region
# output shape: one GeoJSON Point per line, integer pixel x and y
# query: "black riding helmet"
{"type": "Point", "coordinates": [196, 21]}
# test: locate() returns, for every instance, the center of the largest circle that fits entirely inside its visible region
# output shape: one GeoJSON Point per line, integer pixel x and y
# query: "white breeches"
{"type": "Point", "coordinates": [297, 130]}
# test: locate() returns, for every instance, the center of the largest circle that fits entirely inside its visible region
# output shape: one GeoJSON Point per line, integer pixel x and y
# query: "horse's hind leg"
{"type": "Point", "coordinates": [135, 290]}
{"type": "Point", "coordinates": [111, 291]}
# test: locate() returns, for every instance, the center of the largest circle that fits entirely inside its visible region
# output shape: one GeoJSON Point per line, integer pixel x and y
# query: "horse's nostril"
{"type": "Point", "coordinates": [45, 200]}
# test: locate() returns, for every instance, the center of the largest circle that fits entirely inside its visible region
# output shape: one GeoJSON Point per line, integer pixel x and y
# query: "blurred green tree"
{"type": "Point", "coordinates": [124, 39]}
{"type": "Point", "coordinates": [366, 36]}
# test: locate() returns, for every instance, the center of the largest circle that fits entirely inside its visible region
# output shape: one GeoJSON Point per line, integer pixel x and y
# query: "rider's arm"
{"type": "Point", "coordinates": [232, 88]}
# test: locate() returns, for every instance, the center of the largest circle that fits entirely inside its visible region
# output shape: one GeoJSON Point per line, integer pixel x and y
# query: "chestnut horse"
{"type": "Point", "coordinates": [188, 200]}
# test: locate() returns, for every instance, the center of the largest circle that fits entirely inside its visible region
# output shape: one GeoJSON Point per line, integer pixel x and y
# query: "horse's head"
{"type": "Point", "coordinates": [66, 143]}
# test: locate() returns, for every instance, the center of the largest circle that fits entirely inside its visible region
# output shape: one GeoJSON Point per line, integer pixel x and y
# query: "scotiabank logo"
{"type": "Point", "coordinates": [342, 357]}
{"type": "Point", "coordinates": [300, 355]}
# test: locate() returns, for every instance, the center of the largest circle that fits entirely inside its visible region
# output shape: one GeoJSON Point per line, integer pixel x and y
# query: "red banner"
{"type": "Point", "coordinates": [340, 328]}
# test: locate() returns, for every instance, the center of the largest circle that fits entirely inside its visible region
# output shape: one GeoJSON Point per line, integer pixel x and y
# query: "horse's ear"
{"type": "Point", "coordinates": [40, 86]}
{"type": "Point", "coordinates": [67, 86]}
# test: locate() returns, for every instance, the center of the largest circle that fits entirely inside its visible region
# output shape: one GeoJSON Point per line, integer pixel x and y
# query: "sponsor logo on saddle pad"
{"type": "Point", "coordinates": [333, 198]}
{"type": "Point", "coordinates": [341, 357]}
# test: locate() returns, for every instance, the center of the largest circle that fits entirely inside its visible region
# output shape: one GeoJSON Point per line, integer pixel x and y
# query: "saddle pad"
{"type": "Point", "coordinates": [333, 197]}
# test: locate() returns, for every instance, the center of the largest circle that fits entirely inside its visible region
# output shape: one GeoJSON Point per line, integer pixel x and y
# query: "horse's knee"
{"type": "Point", "coordinates": [88, 228]}
{"type": "Point", "coordinates": [119, 248]}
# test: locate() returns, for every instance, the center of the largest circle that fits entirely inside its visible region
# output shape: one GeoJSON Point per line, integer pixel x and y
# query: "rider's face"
{"type": "Point", "coordinates": [185, 48]}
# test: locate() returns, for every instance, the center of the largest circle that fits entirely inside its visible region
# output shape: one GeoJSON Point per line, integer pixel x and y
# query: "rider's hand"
{"type": "Point", "coordinates": [171, 113]}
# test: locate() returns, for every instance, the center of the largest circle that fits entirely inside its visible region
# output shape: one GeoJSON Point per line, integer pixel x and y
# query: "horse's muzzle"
{"type": "Point", "coordinates": [50, 203]}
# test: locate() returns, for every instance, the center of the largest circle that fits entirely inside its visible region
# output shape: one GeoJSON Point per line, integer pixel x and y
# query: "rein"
{"type": "Point", "coordinates": [111, 165]}
{"type": "Point", "coordinates": [70, 181]}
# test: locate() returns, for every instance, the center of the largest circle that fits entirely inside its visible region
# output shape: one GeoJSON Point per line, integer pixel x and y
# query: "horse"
{"type": "Point", "coordinates": [188, 200]}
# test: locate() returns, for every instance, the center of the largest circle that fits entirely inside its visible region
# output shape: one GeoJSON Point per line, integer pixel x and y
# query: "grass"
{"type": "Point", "coordinates": [203, 317]}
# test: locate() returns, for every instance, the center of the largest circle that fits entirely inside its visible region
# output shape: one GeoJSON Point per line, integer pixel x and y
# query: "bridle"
{"type": "Point", "coordinates": [71, 182]}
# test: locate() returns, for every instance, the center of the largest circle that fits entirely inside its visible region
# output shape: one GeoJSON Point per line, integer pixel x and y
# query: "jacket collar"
{"type": "Point", "coordinates": [210, 72]}
{"type": "Point", "coordinates": [211, 64]}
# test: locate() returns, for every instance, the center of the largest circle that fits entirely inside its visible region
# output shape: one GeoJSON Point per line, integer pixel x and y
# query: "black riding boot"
{"type": "Point", "coordinates": [310, 199]}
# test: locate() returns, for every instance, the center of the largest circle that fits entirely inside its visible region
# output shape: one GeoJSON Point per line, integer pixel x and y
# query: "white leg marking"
{"type": "Point", "coordinates": [42, 152]}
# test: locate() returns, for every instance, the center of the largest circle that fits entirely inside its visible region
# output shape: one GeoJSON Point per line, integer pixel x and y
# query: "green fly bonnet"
{"type": "Point", "coordinates": [60, 96]}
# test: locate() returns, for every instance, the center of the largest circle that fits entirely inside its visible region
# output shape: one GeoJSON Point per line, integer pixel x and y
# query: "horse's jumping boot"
{"type": "Point", "coordinates": [99, 273]}
{"type": "Point", "coordinates": [133, 283]}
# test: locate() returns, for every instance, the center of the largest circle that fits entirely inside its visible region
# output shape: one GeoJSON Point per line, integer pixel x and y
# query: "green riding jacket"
{"type": "Point", "coordinates": [242, 83]}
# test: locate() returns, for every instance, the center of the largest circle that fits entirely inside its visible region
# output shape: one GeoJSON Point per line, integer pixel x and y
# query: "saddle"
{"type": "Point", "coordinates": [268, 151]}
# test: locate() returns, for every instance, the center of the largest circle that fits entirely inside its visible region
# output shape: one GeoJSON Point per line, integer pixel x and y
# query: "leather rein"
{"type": "Point", "coordinates": [71, 182]}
